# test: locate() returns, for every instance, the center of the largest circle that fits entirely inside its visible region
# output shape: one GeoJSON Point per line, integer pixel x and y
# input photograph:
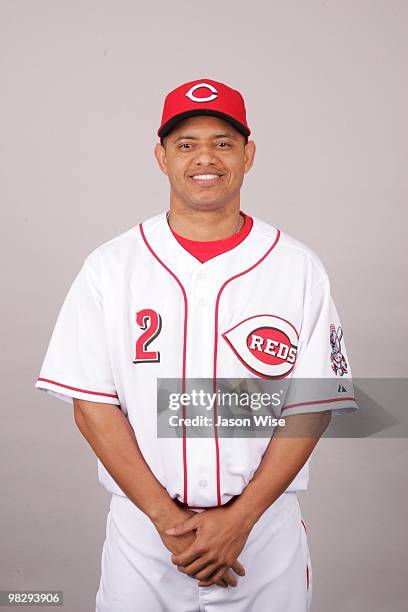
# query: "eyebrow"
{"type": "Point", "coordinates": [186, 137]}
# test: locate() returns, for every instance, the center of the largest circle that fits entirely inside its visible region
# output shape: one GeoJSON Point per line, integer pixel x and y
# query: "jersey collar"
{"type": "Point", "coordinates": [235, 261]}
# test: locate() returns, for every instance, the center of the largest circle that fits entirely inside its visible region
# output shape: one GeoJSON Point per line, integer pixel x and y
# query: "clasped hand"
{"type": "Point", "coordinates": [219, 539]}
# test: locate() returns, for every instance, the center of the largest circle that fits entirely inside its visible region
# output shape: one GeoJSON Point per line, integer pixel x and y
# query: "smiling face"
{"type": "Point", "coordinates": [205, 159]}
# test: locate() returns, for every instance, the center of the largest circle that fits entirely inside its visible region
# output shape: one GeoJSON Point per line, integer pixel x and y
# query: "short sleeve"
{"type": "Point", "coordinates": [321, 378]}
{"type": "Point", "coordinates": [77, 361]}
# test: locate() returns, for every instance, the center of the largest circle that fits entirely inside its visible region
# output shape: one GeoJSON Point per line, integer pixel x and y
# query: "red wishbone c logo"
{"type": "Point", "coordinates": [210, 98]}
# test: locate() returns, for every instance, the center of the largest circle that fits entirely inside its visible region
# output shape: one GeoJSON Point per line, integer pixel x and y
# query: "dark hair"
{"type": "Point", "coordinates": [174, 121]}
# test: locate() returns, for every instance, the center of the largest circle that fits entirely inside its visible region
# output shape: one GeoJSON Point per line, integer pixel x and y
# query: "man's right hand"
{"type": "Point", "coordinates": [178, 544]}
{"type": "Point", "coordinates": [113, 440]}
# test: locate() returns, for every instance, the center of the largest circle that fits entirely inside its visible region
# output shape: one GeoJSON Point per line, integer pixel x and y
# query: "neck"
{"type": "Point", "coordinates": [204, 225]}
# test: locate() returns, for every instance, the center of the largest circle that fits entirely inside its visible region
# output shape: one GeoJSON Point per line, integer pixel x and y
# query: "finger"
{"type": "Point", "coordinates": [222, 584]}
{"type": "Point", "coordinates": [188, 556]}
{"type": "Point", "coordinates": [230, 578]}
{"type": "Point", "coordinates": [213, 579]}
{"type": "Point", "coordinates": [184, 527]}
{"type": "Point", "coordinates": [194, 568]}
{"type": "Point", "coordinates": [207, 571]}
{"type": "Point", "coordinates": [238, 568]}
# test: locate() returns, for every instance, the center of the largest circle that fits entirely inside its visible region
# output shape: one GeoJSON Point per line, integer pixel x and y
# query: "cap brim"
{"type": "Point", "coordinates": [171, 124]}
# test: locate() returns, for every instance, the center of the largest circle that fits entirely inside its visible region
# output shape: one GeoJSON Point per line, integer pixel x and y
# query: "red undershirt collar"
{"type": "Point", "coordinates": [203, 251]}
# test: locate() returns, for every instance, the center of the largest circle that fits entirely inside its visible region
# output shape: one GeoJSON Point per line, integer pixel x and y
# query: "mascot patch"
{"type": "Point", "coordinates": [338, 361]}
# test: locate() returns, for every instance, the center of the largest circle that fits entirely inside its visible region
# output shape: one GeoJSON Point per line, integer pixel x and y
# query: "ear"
{"type": "Point", "coordinates": [249, 153]}
{"type": "Point", "coordinates": [160, 154]}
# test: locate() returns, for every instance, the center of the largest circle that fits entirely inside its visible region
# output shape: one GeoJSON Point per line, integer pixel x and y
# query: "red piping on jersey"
{"type": "Point", "coordinates": [307, 577]}
{"type": "Point", "coordinates": [307, 565]}
{"type": "Point", "coordinates": [324, 401]}
{"type": "Point", "coordinates": [217, 303]}
{"type": "Point", "coordinates": [53, 382]}
{"type": "Point", "coordinates": [185, 495]}
{"type": "Point", "coordinates": [265, 314]}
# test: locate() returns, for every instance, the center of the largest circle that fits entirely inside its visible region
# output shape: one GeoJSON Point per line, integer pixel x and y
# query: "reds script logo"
{"type": "Point", "coordinates": [265, 344]}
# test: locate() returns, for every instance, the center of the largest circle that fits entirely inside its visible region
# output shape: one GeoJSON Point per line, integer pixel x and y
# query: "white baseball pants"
{"type": "Point", "coordinates": [138, 576]}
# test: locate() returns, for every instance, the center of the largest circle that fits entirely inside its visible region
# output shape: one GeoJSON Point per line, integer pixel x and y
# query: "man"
{"type": "Point", "coordinates": [204, 292]}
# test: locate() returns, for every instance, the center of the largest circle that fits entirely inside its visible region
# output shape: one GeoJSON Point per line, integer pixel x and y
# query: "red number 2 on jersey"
{"type": "Point", "coordinates": [150, 322]}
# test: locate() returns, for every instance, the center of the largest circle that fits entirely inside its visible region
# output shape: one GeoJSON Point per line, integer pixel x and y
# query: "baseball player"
{"type": "Point", "coordinates": [201, 291]}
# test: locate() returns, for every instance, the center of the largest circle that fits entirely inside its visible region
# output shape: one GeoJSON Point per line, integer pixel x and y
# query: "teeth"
{"type": "Point", "coordinates": [205, 177]}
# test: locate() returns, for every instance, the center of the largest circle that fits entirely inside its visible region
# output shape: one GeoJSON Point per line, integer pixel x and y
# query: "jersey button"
{"type": "Point", "coordinates": [202, 302]}
{"type": "Point", "coordinates": [203, 483]}
{"type": "Point", "coordinates": [201, 276]}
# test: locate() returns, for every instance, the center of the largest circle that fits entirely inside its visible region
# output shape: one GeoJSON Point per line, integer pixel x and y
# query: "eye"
{"type": "Point", "coordinates": [185, 146]}
{"type": "Point", "coordinates": [223, 145]}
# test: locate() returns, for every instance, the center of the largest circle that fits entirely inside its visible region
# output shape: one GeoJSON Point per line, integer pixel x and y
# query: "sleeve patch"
{"type": "Point", "coordinates": [338, 361]}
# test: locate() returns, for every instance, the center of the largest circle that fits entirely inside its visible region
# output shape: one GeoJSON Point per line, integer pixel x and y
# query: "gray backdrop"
{"type": "Point", "coordinates": [82, 85]}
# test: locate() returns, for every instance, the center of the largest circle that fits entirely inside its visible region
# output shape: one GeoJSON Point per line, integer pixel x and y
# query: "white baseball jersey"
{"type": "Point", "coordinates": [143, 308]}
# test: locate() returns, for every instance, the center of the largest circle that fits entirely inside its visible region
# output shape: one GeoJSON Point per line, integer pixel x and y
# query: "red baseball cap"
{"type": "Point", "coordinates": [203, 97]}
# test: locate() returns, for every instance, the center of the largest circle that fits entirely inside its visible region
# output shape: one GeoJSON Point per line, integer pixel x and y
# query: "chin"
{"type": "Point", "coordinates": [206, 201]}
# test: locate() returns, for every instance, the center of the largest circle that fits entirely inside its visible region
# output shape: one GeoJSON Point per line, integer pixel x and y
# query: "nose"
{"type": "Point", "coordinates": [205, 156]}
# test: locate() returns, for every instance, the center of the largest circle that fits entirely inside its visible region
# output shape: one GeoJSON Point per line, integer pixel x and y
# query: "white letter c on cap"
{"type": "Point", "coordinates": [190, 93]}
